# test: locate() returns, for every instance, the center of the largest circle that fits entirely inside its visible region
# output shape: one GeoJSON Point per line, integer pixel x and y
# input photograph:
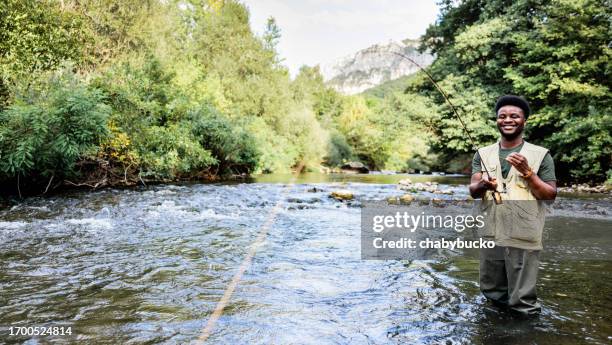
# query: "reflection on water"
{"type": "Point", "coordinates": [148, 266]}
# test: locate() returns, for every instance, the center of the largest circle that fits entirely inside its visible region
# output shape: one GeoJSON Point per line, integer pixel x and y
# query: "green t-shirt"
{"type": "Point", "coordinates": [546, 172]}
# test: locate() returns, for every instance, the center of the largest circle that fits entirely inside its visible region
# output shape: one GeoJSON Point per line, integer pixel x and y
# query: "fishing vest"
{"type": "Point", "coordinates": [519, 221]}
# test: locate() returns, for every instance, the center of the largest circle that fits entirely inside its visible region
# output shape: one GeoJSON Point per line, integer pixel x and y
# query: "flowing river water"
{"type": "Point", "coordinates": [148, 266]}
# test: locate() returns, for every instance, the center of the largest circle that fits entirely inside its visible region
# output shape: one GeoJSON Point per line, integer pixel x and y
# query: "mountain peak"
{"type": "Point", "coordinates": [373, 66]}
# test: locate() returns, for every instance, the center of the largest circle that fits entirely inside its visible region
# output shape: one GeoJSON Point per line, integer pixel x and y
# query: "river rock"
{"type": "Point", "coordinates": [405, 182]}
{"type": "Point", "coordinates": [393, 200]}
{"type": "Point", "coordinates": [437, 202]}
{"type": "Point", "coordinates": [447, 192]}
{"type": "Point", "coordinates": [423, 200]}
{"type": "Point", "coordinates": [342, 194]}
{"type": "Point", "coordinates": [419, 187]}
{"type": "Point", "coordinates": [299, 207]}
{"type": "Point", "coordinates": [585, 188]}
{"type": "Point", "coordinates": [406, 199]}
{"type": "Point", "coordinates": [355, 167]}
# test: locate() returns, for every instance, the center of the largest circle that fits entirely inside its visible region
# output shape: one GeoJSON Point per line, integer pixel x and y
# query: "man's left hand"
{"type": "Point", "coordinates": [519, 162]}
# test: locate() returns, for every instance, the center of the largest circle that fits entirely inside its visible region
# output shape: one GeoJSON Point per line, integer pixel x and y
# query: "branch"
{"type": "Point", "coordinates": [49, 184]}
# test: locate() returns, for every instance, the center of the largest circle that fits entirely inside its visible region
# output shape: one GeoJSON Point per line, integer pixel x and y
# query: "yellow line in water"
{"type": "Point", "coordinates": [261, 236]}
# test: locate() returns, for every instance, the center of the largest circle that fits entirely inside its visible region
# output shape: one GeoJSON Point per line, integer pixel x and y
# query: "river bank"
{"type": "Point", "coordinates": [11, 194]}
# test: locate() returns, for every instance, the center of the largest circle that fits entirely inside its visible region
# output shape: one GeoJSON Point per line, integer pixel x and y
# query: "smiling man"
{"type": "Point", "coordinates": [524, 175]}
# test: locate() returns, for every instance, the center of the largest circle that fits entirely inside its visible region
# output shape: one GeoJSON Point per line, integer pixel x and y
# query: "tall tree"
{"type": "Point", "coordinates": [36, 35]}
{"type": "Point", "coordinates": [556, 53]}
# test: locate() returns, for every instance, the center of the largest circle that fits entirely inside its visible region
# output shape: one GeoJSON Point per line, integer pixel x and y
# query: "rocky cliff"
{"type": "Point", "coordinates": [373, 66]}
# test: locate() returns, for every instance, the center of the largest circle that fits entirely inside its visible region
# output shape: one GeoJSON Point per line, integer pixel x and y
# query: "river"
{"type": "Point", "coordinates": [148, 266]}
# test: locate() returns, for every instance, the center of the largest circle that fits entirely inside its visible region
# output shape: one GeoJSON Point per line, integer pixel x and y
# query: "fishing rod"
{"type": "Point", "coordinates": [496, 194]}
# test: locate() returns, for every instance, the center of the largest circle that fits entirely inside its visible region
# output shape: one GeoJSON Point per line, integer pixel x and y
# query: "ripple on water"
{"type": "Point", "coordinates": [5, 226]}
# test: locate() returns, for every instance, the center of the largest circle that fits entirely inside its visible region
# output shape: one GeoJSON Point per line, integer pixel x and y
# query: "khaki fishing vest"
{"type": "Point", "coordinates": [519, 221]}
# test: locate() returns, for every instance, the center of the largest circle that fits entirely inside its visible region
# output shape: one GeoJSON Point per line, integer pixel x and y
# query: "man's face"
{"type": "Point", "coordinates": [510, 121]}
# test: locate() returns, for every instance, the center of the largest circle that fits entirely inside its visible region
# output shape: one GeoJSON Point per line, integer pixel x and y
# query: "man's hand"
{"type": "Point", "coordinates": [480, 184]}
{"type": "Point", "coordinates": [488, 184]}
{"type": "Point", "coordinates": [540, 189]}
{"type": "Point", "coordinates": [519, 162]}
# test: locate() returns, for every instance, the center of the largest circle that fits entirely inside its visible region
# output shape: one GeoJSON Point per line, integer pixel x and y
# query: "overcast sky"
{"type": "Point", "coordinates": [319, 31]}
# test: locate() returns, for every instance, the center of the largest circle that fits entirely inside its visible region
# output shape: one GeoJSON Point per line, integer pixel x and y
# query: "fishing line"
{"type": "Point", "coordinates": [246, 262]}
{"type": "Point", "coordinates": [496, 194]}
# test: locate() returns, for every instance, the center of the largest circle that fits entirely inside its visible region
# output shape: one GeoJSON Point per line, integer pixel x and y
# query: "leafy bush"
{"type": "Point", "coordinates": [339, 151]}
{"type": "Point", "coordinates": [48, 137]}
{"type": "Point", "coordinates": [278, 154]}
{"type": "Point", "coordinates": [171, 152]}
{"type": "Point", "coordinates": [36, 36]}
{"type": "Point", "coordinates": [301, 128]}
{"type": "Point", "coordinates": [233, 147]}
{"type": "Point", "coordinates": [139, 91]}
{"type": "Point", "coordinates": [175, 130]}
{"type": "Point", "coordinates": [583, 149]}
{"type": "Point", "coordinates": [118, 150]}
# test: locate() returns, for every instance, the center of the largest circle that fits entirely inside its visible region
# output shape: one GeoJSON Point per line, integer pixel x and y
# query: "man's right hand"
{"type": "Point", "coordinates": [488, 184]}
{"type": "Point", "coordinates": [480, 183]}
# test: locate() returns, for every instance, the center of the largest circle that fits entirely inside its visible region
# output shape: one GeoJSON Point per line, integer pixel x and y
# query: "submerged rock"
{"type": "Point", "coordinates": [423, 200]}
{"type": "Point", "coordinates": [393, 200]}
{"type": "Point", "coordinates": [429, 186]}
{"type": "Point", "coordinates": [419, 187]}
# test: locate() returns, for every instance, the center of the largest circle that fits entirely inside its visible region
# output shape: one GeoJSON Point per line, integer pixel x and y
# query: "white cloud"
{"type": "Point", "coordinates": [317, 31]}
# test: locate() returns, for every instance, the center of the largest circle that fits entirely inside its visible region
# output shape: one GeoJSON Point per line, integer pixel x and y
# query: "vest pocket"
{"type": "Point", "coordinates": [526, 224]}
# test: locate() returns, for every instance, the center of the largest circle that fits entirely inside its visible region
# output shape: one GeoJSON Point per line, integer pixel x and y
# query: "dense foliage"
{"type": "Point", "coordinates": [556, 53]}
{"type": "Point", "coordinates": [118, 92]}
{"type": "Point", "coordinates": [105, 92]}
{"type": "Point", "coordinates": [48, 136]}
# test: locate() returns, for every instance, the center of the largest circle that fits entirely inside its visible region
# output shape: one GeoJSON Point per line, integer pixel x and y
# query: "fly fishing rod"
{"type": "Point", "coordinates": [496, 194]}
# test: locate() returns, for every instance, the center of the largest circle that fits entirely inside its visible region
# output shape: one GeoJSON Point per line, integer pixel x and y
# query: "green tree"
{"type": "Point", "coordinates": [272, 34]}
{"type": "Point", "coordinates": [36, 35]}
{"type": "Point", "coordinates": [554, 52]}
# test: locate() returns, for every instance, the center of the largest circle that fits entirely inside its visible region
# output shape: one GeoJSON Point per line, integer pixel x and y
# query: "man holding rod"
{"type": "Point", "coordinates": [524, 175]}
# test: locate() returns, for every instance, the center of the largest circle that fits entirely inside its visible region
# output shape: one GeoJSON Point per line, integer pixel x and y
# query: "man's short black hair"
{"type": "Point", "coordinates": [516, 101]}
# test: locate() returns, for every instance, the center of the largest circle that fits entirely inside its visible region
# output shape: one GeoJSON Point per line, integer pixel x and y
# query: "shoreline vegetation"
{"type": "Point", "coordinates": [108, 93]}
